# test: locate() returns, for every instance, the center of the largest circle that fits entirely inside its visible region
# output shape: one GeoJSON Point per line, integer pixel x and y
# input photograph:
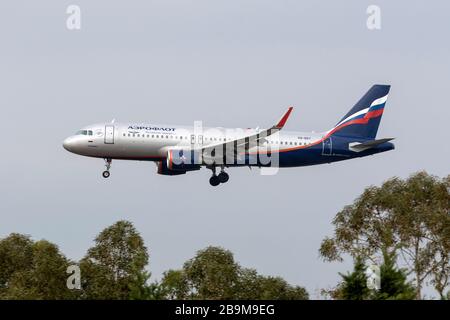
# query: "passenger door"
{"type": "Point", "coordinates": [327, 147]}
{"type": "Point", "coordinates": [109, 134]}
{"type": "Point", "coordinates": [192, 141]}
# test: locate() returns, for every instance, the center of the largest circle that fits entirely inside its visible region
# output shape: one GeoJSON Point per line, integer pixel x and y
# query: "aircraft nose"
{"type": "Point", "coordinates": [68, 144]}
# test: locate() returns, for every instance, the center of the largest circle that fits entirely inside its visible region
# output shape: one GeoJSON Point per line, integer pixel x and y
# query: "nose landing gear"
{"type": "Point", "coordinates": [106, 173]}
{"type": "Point", "coordinates": [222, 177]}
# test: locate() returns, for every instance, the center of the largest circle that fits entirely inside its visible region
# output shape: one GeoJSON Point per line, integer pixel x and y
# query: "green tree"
{"type": "Point", "coordinates": [250, 285]}
{"type": "Point", "coordinates": [15, 256]}
{"type": "Point", "coordinates": [276, 288]}
{"type": "Point", "coordinates": [138, 286]}
{"type": "Point", "coordinates": [115, 267]}
{"type": "Point", "coordinates": [175, 285]}
{"type": "Point", "coordinates": [33, 270]}
{"type": "Point", "coordinates": [253, 286]}
{"type": "Point", "coordinates": [212, 274]}
{"type": "Point", "coordinates": [411, 216]}
{"type": "Point", "coordinates": [393, 281]}
{"type": "Point", "coordinates": [354, 285]}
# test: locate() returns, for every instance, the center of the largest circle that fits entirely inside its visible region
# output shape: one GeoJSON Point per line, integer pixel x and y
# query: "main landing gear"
{"type": "Point", "coordinates": [106, 173]}
{"type": "Point", "coordinates": [215, 179]}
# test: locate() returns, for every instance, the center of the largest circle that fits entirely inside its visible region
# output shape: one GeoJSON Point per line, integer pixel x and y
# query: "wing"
{"type": "Point", "coordinates": [242, 144]}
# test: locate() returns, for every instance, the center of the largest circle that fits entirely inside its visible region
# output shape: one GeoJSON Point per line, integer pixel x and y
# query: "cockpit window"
{"type": "Point", "coordinates": [84, 132]}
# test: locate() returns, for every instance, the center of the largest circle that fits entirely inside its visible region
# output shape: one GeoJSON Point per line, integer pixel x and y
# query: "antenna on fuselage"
{"type": "Point", "coordinates": [113, 120]}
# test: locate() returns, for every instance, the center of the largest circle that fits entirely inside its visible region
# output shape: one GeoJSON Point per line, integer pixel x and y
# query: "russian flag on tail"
{"type": "Point", "coordinates": [364, 118]}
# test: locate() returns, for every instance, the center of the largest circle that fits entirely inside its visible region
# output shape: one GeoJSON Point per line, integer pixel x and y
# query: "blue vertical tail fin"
{"type": "Point", "coordinates": [363, 119]}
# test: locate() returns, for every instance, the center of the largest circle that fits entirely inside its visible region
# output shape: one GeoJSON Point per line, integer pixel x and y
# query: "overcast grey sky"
{"type": "Point", "coordinates": [228, 63]}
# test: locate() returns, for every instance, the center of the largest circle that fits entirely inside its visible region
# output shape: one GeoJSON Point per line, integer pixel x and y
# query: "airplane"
{"type": "Point", "coordinates": [179, 149]}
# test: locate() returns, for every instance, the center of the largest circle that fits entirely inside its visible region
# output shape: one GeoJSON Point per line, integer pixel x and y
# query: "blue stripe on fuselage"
{"type": "Point", "coordinates": [314, 154]}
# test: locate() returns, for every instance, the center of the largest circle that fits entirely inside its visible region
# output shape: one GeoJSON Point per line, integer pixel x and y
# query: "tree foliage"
{"type": "Point", "coordinates": [115, 267]}
{"type": "Point", "coordinates": [394, 284]}
{"type": "Point", "coordinates": [259, 287]}
{"type": "Point", "coordinates": [411, 216]}
{"type": "Point", "coordinates": [32, 270]}
{"type": "Point", "coordinates": [175, 285]}
{"type": "Point", "coordinates": [214, 274]}
{"type": "Point", "coordinates": [354, 285]}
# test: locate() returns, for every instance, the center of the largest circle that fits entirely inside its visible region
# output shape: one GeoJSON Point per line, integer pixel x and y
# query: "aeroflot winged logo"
{"type": "Point", "coordinates": [136, 127]}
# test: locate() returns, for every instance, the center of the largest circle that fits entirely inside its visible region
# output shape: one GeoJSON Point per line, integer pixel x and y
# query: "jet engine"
{"type": "Point", "coordinates": [178, 162]}
{"type": "Point", "coordinates": [162, 169]}
{"type": "Point", "coordinates": [184, 160]}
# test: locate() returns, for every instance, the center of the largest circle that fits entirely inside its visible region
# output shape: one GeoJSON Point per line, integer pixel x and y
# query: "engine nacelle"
{"type": "Point", "coordinates": [162, 169]}
{"type": "Point", "coordinates": [183, 160]}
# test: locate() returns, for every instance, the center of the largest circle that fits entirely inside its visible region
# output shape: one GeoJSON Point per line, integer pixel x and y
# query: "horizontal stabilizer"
{"type": "Point", "coordinates": [358, 146]}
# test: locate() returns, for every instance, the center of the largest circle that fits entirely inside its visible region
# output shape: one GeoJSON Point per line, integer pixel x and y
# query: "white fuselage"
{"type": "Point", "coordinates": [151, 142]}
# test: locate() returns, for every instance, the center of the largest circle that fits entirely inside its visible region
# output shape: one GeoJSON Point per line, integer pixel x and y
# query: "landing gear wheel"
{"type": "Point", "coordinates": [214, 181]}
{"type": "Point", "coordinates": [223, 177]}
{"type": "Point", "coordinates": [106, 173]}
